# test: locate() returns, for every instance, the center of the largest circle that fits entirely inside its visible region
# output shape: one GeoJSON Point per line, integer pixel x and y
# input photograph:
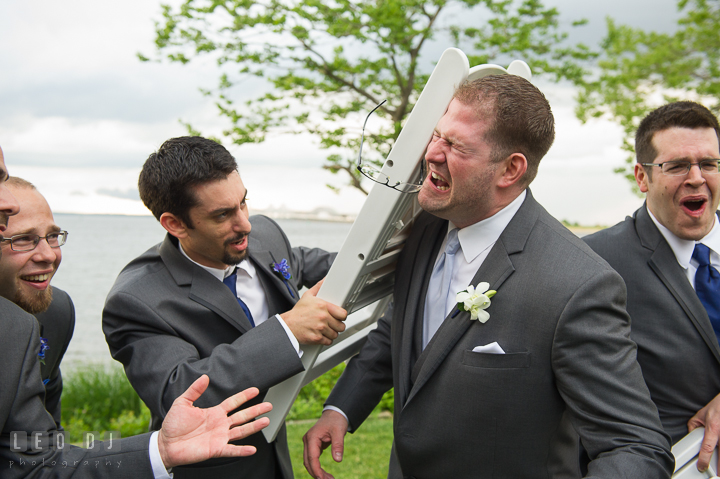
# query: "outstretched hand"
{"type": "Point", "coordinates": [190, 434]}
{"type": "Point", "coordinates": [330, 430]}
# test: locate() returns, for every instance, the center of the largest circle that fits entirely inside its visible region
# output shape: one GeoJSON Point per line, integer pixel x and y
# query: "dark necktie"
{"type": "Point", "coordinates": [231, 282]}
{"type": "Point", "coordinates": [707, 285]}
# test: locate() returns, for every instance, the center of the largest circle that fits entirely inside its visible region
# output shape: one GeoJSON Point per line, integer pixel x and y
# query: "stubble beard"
{"type": "Point", "coordinates": [457, 206]}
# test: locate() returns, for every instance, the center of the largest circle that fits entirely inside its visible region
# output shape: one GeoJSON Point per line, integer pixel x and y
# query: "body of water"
{"type": "Point", "coordinates": [99, 246]}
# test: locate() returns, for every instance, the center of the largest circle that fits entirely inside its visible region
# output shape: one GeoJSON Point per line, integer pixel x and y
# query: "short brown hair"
{"type": "Point", "coordinates": [681, 114]}
{"type": "Point", "coordinates": [523, 121]}
{"type": "Point", "coordinates": [169, 175]}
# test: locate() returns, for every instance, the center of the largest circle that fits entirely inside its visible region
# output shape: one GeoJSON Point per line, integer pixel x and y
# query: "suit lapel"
{"type": "Point", "coordinates": [411, 308]}
{"type": "Point", "coordinates": [664, 263]}
{"type": "Point", "coordinates": [205, 289]}
{"type": "Point", "coordinates": [277, 291]}
{"type": "Point", "coordinates": [496, 269]}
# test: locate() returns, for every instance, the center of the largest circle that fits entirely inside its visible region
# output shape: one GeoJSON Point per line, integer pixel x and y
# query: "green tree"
{"type": "Point", "coordinates": [327, 62]}
{"type": "Point", "coordinates": [638, 70]}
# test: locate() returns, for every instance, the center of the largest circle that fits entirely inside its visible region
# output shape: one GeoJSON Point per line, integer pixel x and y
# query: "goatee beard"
{"type": "Point", "coordinates": [234, 259]}
{"type": "Point", "coordinates": [34, 303]}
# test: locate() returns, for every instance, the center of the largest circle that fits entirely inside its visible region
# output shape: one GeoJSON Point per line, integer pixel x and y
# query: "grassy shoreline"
{"type": "Point", "coordinates": [100, 398]}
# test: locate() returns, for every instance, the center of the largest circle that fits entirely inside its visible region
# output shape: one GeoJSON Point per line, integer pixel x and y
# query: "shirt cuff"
{"type": "Point", "coordinates": [158, 468]}
{"type": "Point", "coordinates": [333, 408]}
{"type": "Point", "coordinates": [291, 336]}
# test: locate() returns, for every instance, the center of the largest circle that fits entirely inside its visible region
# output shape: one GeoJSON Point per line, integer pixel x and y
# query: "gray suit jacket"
{"type": "Point", "coordinates": [677, 347]}
{"type": "Point", "coordinates": [169, 321]}
{"type": "Point", "coordinates": [22, 410]}
{"type": "Point", "coordinates": [56, 326]}
{"type": "Point", "coordinates": [559, 315]}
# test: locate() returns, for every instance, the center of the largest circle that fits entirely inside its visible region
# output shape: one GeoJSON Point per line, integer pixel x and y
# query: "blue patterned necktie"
{"type": "Point", "coordinates": [707, 285]}
{"type": "Point", "coordinates": [441, 277]}
{"type": "Point", "coordinates": [231, 282]}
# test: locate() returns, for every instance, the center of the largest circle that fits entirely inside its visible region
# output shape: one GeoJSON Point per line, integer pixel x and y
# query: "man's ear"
{"type": "Point", "coordinates": [515, 167]}
{"type": "Point", "coordinates": [173, 225]}
{"type": "Point", "coordinates": [641, 177]}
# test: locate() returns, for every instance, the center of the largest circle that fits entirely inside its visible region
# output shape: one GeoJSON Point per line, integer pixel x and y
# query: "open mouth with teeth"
{"type": "Point", "coordinates": [694, 205]}
{"type": "Point", "coordinates": [36, 278]}
{"type": "Point", "coordinates": [439, 182]}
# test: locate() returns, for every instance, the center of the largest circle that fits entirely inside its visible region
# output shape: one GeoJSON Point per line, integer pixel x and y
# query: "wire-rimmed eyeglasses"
{"type": "Point", "coordinates": [29, 242]}
{"type": "Point", "coordinates": [372, 173]}
{"type": "Point", "coordinates": [682, 167]}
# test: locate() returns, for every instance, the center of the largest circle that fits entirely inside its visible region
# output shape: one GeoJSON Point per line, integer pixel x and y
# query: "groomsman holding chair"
{"type": "Point", "coordinates": [30, 445]}
{"type": "Point", "coordinates": [668, 253]}
{"type": "Point", "coordinates": [219, 296]}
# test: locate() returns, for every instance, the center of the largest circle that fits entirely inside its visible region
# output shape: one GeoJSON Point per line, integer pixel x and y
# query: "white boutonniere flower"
{"type": "Point", "coordinates": [476, 300]}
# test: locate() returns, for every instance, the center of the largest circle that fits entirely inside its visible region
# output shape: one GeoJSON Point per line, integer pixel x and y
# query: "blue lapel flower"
{"type": "Point", "coordinates": [282, 271]}
{"type": "Point", "coordinates": [43, 347]}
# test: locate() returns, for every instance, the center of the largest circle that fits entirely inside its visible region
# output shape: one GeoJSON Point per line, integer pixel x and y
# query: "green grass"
{"type": "Point", "coordinates": [309, 402]}
{"type": "Point", "coordinates": [98, 398]}
{"type": "Point", "coordinates": [367, 451]}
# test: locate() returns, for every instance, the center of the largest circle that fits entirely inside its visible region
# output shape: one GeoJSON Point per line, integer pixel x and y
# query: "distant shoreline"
{"type": "Point", "coordinates": [324, 215]}
{"type": "Point", "coordinates": [329, 217]}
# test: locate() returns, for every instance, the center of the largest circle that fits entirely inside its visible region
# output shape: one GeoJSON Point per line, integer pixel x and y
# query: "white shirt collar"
{"type": "Point", "coordinates": [683, 248]}
{"type": "Point", "coordinates": [221, 274]}
{"type": "Point", "coordinates": [478, 237]}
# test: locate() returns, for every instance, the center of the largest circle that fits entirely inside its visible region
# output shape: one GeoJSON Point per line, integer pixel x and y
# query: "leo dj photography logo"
{"type": "Point", "coordinates": [30, 446]}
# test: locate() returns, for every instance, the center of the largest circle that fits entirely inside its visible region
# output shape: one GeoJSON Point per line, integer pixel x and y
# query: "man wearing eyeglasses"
{"type": "Point", "coordinates": [29, 443]}
{"type": "Point", "coordinates": [667, 253]}
{"type": "Point", "coordinates": [30, 257]}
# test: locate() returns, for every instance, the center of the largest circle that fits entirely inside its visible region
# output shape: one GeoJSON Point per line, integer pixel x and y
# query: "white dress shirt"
{"type": "Point", "coordinates": [158, 468]}
{"type": "Point", "coordinates": [683, 249]}
{"type": "Point", "coordinates": [253, 294]}
{"type": "Point", "coordinates": [476, 241]}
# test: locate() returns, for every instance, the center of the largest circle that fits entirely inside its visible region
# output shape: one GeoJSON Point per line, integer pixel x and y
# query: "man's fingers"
{"type": "Point", "coordinates": [241, 432]}
{"type": "Point", "coordinates": [238, 451]}
{"type": "Point", "coordinates": [336, 311]}
{"type": "Point", "coordinates": [196, 389]}
{"type": "Point", "coordinates": [237, 400]}
{"type": "Point", "coordinates": [338, 446]}
{"type": "Point", "coordinates": [250, 413]}
{"type": "Point", "coordinates": [337, 326]}
{"type": "Point", "coordinates": [706, 449]}
{"type": "Point", "coordinates": [328, 431]}
{"type": "Point", "coordinates": [314, 290]}
{"type": "Point", "coordinates": [314, 446]}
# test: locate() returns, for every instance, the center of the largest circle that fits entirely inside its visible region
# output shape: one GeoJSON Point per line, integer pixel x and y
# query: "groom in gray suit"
{"type": "Point", "coordinates": [499, 396]}
{"type": "Point", "coordinates": [184, 308]}
{"type": "Point", "coordinates": [655, 253]}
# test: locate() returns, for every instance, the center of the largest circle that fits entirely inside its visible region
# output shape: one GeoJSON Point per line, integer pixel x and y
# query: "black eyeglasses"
{"type": "Point", "coordinates": [30, 242]}
{"type": "Point", "coordinates": [372, 173]}
{"type": "Point", "coordinates": [681, 167]}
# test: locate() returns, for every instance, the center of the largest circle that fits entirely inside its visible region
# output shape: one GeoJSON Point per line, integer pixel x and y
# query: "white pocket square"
{"type": "Point", "coordinates": [492, 348]}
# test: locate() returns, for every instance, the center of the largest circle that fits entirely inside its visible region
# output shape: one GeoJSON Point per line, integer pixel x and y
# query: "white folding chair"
{"type": "Point", "coordinates": [363, 272]}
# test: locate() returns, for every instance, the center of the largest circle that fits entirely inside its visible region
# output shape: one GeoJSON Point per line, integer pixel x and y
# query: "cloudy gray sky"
{"type": "Point", "coordinates": [74, 95]}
